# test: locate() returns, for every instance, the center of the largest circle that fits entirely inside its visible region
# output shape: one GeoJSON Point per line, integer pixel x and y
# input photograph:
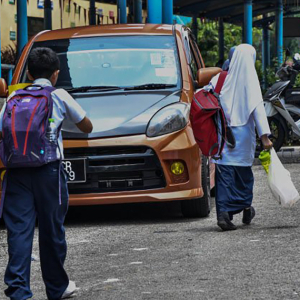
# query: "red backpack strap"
{"type": "Point", "coordinates": [220, 82]}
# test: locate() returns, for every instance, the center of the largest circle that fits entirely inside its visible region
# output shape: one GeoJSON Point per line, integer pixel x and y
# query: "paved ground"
{"type": "Point", "coordinates": [151, 252]}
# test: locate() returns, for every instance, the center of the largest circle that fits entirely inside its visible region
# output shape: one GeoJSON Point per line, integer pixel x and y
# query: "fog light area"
{"type": "Point", "coordinates": [177, 168]}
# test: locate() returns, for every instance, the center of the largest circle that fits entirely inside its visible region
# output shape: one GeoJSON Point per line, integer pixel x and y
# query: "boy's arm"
{"type": "Point", "coordinates": [74, 112]}
{"type": "Point", "coordinates": [85, 125]}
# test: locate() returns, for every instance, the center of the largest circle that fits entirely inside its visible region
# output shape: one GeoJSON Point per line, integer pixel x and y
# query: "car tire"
{"type": "Point", "coordinates": [199, 207]}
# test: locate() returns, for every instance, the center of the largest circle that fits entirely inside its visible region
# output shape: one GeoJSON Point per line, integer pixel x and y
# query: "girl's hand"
{"type": "Point", "coordinates": [267, 144]}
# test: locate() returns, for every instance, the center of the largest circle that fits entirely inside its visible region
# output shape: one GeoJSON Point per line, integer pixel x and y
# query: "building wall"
{"type": "Point", "coordinates": [65, 13]}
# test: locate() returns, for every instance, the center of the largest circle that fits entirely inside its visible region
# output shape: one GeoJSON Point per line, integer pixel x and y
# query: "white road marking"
{"type": "Point", "coordinates": [110, 280]}
{"type": "Point", "coordinates": [136, 263]}
{"type": "Point", "coordinates": [140, 249]}
{"type": "Point", "coordinates": [113, 254]}
{"type": "Point", "coordinates": [254, 240]}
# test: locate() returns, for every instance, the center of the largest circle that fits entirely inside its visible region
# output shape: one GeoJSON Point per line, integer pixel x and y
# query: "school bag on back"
{"type": "Point", "coordinates": [24, 126]}
{"type": "Point", "coordinates": [208, 120]}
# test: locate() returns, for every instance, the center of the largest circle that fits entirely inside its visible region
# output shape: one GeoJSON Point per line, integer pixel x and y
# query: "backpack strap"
{"type": "Point", "coordinates": [50, 89]}
{"type": "Point", "coordinates": [220, 82]}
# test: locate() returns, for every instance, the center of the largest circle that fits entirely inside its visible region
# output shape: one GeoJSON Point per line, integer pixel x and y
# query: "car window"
{"type": "Point", "coordinates": [115, 61]}
{"type": "Point", "coordinates": [194, 65]}
{"type": "Point", "coordinates": [191, 54]}
{"type": "Point", "coordinates": [195, 48]}
{"type": "Point", "coordinates": [186, 44]}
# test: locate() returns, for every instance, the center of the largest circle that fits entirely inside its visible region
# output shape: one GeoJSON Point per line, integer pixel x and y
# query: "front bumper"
{"type": "Point", "coordinates": [178, 146]}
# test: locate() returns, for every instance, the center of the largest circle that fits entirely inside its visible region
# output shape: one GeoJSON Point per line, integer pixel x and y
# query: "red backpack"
{"type": "Point", "coordinates": [208, 120]}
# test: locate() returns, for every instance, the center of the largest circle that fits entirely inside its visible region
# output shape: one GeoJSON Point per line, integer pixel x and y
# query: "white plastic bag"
{"type": "Point", "coordinates": [280, 182]}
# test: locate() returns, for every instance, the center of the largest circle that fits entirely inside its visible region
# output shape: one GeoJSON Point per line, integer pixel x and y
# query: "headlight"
{"type": "Point", "coordinates": [169, 119]}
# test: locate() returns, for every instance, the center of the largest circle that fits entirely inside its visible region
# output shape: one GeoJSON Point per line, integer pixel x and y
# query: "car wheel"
{"type": "Point", "coordinates": [199, 207]}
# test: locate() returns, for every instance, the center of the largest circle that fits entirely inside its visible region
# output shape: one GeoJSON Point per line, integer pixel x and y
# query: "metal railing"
{"type": "Point", "coordinates": [10, 72]}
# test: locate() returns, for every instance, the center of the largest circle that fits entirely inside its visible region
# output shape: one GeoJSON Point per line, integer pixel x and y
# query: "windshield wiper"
{"type": "Point", "coordinates": [150, 86]}
{"type": "Point", "coordinates": [90, 88]}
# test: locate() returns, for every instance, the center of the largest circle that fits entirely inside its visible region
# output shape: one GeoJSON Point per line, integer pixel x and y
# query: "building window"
{"type": "Point", "coordinates": [11, 1]}
{"type": "Point", "coordinates": [35, 25]}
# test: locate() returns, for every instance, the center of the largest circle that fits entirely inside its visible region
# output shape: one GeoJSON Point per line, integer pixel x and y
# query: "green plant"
{"type": "Point", "coordinates": [8, 55]}
{"type": "Point", "coordinates": [208, 39]}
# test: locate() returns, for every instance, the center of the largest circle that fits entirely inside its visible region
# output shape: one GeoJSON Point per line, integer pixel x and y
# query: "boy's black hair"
{"type": "Point", "coordinates": [42, 63]}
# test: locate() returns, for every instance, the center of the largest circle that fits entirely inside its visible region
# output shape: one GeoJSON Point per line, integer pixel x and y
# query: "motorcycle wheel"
{"type": "Point", "coordinates": [277, 135]}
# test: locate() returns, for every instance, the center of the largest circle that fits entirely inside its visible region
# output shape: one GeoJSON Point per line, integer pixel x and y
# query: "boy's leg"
{"type": "Point", "coordinates": [51, 216]}
{"type": "Point", "coordinates": [19, 217]}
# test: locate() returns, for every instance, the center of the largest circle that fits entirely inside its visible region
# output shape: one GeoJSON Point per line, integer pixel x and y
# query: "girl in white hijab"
{"type": "Point", "coordinates": [242, 103]}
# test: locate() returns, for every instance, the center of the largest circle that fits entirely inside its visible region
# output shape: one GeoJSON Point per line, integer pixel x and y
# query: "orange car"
{"type": "Point", "coordinates": [136, 83]}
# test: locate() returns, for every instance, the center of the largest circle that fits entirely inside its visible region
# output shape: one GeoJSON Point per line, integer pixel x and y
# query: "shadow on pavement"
{"type": "Point", "coordinates": [167, 212]}
{"type": "Point", "coordinates": [127, 214]}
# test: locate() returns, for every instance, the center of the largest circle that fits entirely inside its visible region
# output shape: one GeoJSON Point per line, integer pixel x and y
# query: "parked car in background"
{"type": "Point", "coordinates": [136, 83]}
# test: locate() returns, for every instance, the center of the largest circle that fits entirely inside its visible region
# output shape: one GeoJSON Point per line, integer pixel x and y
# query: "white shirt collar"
{"type": "Point", "coordinates": [42, 82]}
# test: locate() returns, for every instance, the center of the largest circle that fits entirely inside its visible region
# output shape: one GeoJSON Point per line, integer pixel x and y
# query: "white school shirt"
{"type": "Point", "coordinates": [66, 111]}
{"type": "Point", "coordinates": [244, 152]}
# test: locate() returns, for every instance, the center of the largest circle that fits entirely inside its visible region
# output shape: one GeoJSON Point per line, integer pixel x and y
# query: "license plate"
{"type": "Point", "coordinates": [76, 169]}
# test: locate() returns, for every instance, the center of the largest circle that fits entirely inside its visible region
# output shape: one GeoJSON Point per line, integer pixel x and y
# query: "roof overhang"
{"type": "Point", "coordinates": [230, 10]}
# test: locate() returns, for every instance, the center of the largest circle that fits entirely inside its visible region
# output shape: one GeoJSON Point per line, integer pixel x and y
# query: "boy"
{"type": "Point", "coordinates": [34, 192]}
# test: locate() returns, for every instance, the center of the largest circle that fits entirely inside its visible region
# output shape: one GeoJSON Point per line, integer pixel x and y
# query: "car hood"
{"type": "Point", "coordinates": [118, 113]}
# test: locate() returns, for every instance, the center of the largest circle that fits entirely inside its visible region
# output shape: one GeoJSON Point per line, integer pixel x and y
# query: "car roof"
{"type": "Point", "coordinates": [106, 30]}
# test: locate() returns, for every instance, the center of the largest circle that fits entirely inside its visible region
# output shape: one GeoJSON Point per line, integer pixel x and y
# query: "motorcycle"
{"type": "Point", "coordinates": [282, 104]}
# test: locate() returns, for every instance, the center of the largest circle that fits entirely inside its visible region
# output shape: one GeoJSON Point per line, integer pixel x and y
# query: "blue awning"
{"type": "Point", "coordinates": [182, 20]}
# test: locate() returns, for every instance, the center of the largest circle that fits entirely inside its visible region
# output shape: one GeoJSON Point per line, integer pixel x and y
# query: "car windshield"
{"type": "Point", "coordinates": [118, 61]}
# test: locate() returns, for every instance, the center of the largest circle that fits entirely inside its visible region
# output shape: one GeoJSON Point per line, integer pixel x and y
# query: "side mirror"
{"type": "Point", "coordinates": [3, 88]}
{"type": "Point", "coordinates": [205, 75]}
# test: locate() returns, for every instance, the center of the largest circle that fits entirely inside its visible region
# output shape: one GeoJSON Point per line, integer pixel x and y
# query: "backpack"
{"type": "Point", "coordinates": [208, 120]}
{"type": "Point", "coordinates": [24, 126]}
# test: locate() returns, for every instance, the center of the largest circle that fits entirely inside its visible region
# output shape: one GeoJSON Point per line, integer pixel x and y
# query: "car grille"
{"type": "Point", "coordinates": [116, 169]}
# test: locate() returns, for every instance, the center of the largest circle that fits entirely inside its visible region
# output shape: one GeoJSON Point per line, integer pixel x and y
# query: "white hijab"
{"type": "Point", "coordinates": [241, 92]}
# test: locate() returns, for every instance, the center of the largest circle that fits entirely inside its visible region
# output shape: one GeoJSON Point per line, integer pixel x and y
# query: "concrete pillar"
{"type": "Point", "coordinates": [221, 40]}
{"type": "Point", "coordinates": [195, 27]}
{"type": "Point", "coordinates": [22, 27]}
{"type": "Point", "coordinates": [92, 12]}
{"type": "Point", "coordinates": [265, 53]}
{"type": "Point", "coordinates": [154, 11]}
{"type": "Point", "coordinates": [122, 11]}
{"type": "Point", "coordinates": [248, 21]}
{"type": "Point", "coordinates": [138, 11]}
{"type": "Point", "coordinates": [279, 31]}
{"type": "Point", "coordinates": [167, 11]}
{"type": "Point", "coordinates": [47, 15]}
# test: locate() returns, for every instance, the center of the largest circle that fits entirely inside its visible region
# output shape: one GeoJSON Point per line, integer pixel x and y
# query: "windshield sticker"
{"type": "Point", "coordinates": [165, 72]}
{"type": "Point", "coordinates": [156, 59]}
{"type": "Point", "coordinates": [168, 59]}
